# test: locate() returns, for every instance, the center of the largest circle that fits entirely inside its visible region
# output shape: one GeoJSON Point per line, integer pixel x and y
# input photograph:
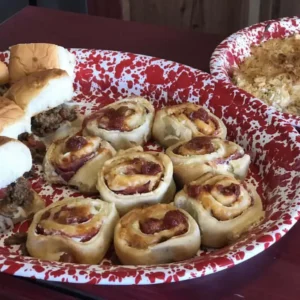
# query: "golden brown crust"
{"type": "Point", "coordinates": [139, 239]}
{"type": "Point", "coordinates": [125, 124]}
{"type": "Point", "coordinates": [77, 167]}
{"type": "Point", "coordinates": [124, 181]}
{"type": "Point", "coordinates": [28, 58]}
{"type": "Point", "coordinates": [223, 207]}
{"type": "Point", "coordinates": [4, 75]}
{"type": "Point", "coordinates": [26, 89]}
{"type": "Point", "coordinates": [179, 123]}
{"type": "Point", "coordinates": [207, 154]}
{"type": "Point", "coordinates": [10, 113]}
{"type": "Point", "coordinates": [78, 228]}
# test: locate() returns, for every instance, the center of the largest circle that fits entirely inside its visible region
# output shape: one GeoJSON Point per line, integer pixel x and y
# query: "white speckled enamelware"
{"type": "Point", "coordinates": [274, 145]}
{"type": "Point", "coordinates": [233, 50]}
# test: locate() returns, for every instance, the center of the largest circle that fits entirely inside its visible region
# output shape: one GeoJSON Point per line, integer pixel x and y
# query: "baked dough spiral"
{"type": "Point", "coordinates": [134, 178]}
{"type": "Point", "coordinates": [223, 206]}
{"type": "Point", "coordinates": [76, 161]}
{"type": "Point", "coordinates": [157, 234]}
{"type": "Point", "coordinates": [207, 154]}
{"type": "Point", "coordinates": [125, 123]}
{"type": "Point", "coordinates": [182, 122]}
{"type": "Point", "coordinates": [77, 230]}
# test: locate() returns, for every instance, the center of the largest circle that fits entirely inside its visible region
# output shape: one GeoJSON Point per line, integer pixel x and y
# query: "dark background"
{"type": "Point", "coordinates": [10, 7]}
{"type": "Point", "coordinates": [209, 16]}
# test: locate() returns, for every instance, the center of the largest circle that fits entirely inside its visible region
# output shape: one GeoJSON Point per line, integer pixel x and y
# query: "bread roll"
{"type": "Point", "coordinates": [4, 75]}
{"type": "Point", "coordinates": [15, 160]}
{"type": "Point", "coordinates": [13, 121]}
{"type": "Point", "coordinates": [76, 161]}
{"type": "Point", "coordinates": [26, 59]}
{"type": "Point", "coordinates": [155, 235]}
{"type": "Point", "coordinates": [223, 207]}
{"type": "Point", "coordinates": [125, 123]}
{"type": "Point", "coordinates": [134, 178]}
{"type": "Point", "coordinates": [77, 230]}
{"type": "Point", "coordinates": [179, 123]}
{"type": "Point", "coordinates": [17, 199]}
{"type": "Point", "coordinates": [207, 154]}
{"type": "Point", "coordinates": [41, 91]}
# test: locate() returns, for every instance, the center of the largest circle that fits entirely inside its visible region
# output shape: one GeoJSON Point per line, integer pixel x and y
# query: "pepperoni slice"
{"type": "Point", "coordinates": [75, 143]}
{"type": "Point", "coordinates": [200, 114]}
{"type": "Point", "coordinates": [232, 189]}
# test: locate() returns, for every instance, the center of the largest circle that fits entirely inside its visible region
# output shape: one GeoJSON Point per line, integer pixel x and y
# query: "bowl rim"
{"type": "Point", "coordinates": [219, 66]}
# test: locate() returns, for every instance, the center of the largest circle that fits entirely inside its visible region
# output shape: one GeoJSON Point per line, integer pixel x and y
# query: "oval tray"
{"type": "Point", "coordinates": [274, 146]}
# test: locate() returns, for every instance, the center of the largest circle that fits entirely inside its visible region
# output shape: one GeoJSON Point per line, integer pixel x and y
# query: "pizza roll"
{"type": "Point", "coordinates": [134, 178]}
{"type": "Point", "coordinates": [182, 122]}
{"type": "Point", "coordinates": [223, 206]}
{"type": "Point", "coordinates": [76, 161]}
{"type": "Point", "coordinates": [4, 74]}
{"type": "Point", "coordinates": [77, 230]}
{"type": "Point", "coordinates": [13, 121]}
{"type": "Point", "coordinates": [125, 123]}
{"type": "Point", "coordinates": [155, 235]}
{"type": "Point", "coordinates": [207, 154]}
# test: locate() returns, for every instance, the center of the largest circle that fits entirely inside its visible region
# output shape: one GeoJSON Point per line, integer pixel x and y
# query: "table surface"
{"type": "Point", "coordinates": [274, 274]}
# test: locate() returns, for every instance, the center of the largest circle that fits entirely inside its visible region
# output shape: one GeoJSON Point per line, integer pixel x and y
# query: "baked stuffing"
{"type": "Point", "coordinates": [272, 73]}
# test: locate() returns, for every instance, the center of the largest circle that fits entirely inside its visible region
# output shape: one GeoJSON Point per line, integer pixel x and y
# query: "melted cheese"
{"type": "Point", "coordinates": [132, 233]}
{"type": "Point", "coordinates": [73, 230]}
{"type": "Point", "coordinates": [126, 174]}
{"type": "Point", "coordinates": [207, 129]}
{"type": "Point", "coordinates": [121, 182]}
{"type": "Point", "coordinates": [65, 158]}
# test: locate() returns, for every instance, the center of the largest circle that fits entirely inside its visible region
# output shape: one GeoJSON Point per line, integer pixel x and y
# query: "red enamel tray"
{"type": "Point", "coordinates": [105, 76]}
{"type": "Point", "coordinates": [233, 50]}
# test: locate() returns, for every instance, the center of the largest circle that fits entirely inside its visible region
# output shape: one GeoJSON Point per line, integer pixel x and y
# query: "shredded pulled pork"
{"type": "Point", "coordinates": [18, 194]}
{"type": "Point", "coordinates": [172, 218]}
{"type": "Point", "coordinates": [18, 238]}
{"type": "Point", "coordinates": [37, 148]}
{"type": "Point", "coordinates": [49, 121]}
{"type": "Point", "coordinates": [272, 73]}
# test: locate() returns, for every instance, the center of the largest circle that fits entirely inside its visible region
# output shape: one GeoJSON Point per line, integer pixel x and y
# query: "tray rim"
{"type": "Point", "coordinates": [133, 271]}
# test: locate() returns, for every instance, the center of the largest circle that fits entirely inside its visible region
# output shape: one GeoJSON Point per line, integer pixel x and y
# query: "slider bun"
{"type": "Point", "coordinates": [15, 160]}
{"type": "Point", "coordinates": [12, 119]}
{"type": "Point", "coordinates": [41, 91]}
{"type": "Point", "coordinates": [4, 75]}
{"type": "Point", "coordinates": [29, 58]}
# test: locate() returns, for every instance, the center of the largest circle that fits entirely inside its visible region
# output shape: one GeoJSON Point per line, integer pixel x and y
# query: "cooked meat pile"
{"type": "Point", "coordinates": [37, 148]}
{"type": "Point", "coordinates": [17, 194]}
{"type": "Point", "coordinates": [49, 121]}
{"type": "Point", "coordinates": [18, 238]}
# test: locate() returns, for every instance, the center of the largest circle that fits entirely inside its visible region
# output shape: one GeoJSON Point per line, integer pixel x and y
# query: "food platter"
{"type": "Point", "coordinates": [274, 146]}
{"type": "Point", "coordinates": [234, 49]}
